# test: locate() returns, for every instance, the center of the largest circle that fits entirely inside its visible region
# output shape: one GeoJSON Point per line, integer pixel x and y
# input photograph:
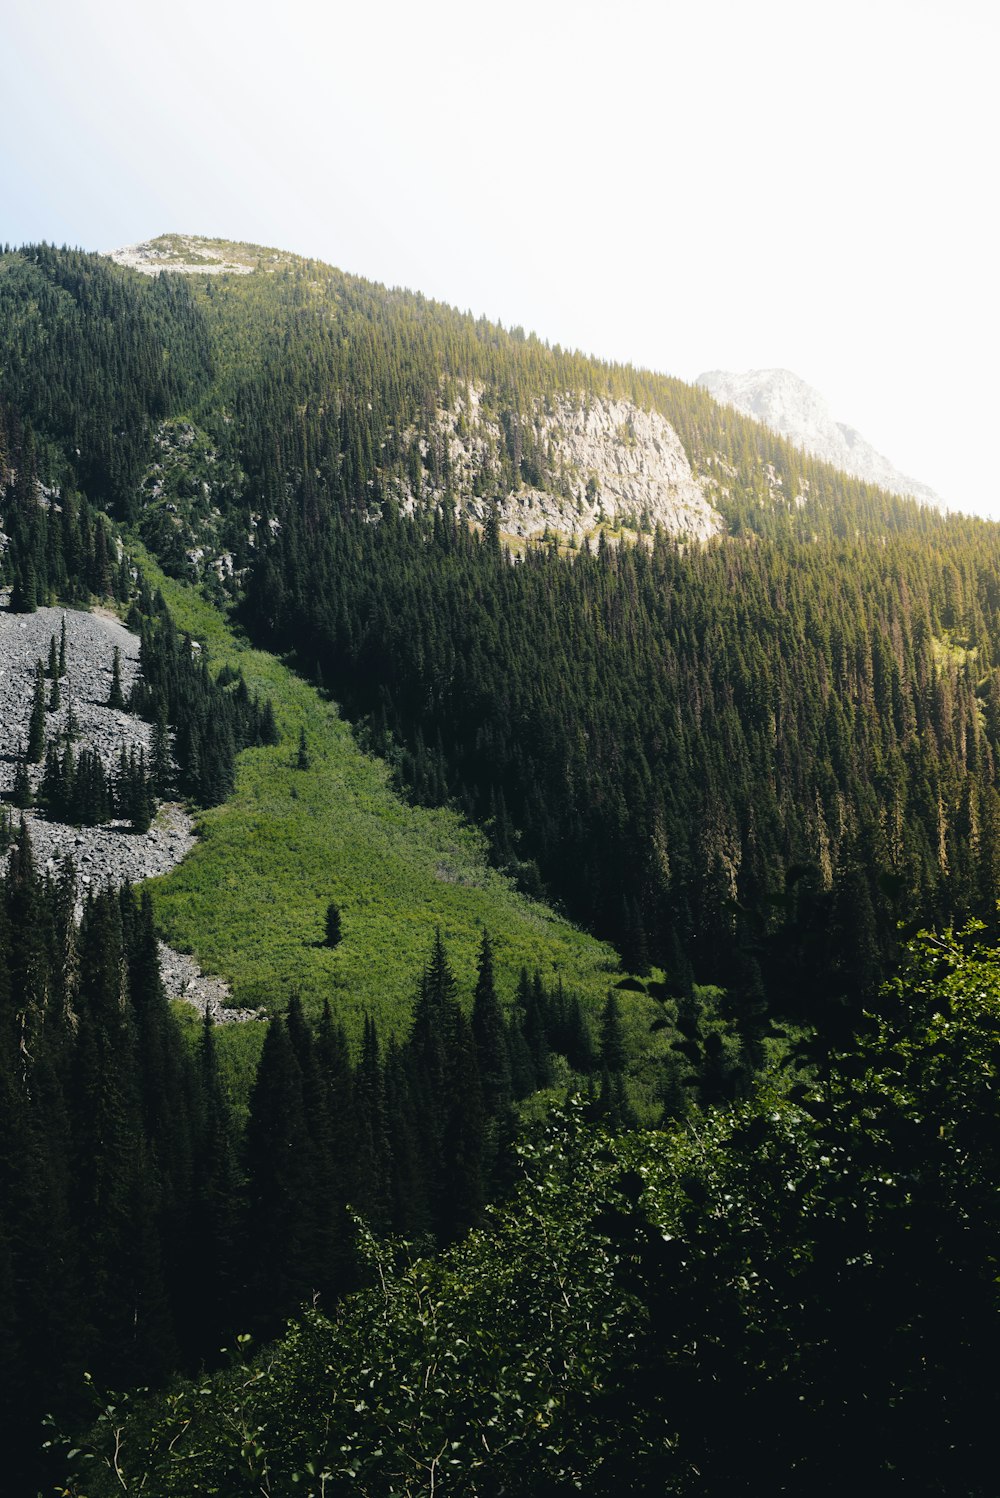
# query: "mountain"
{"type": "Point", "coordinates": [786, 404]}
{"type": "Point", "coordinates": [564, 747]}
{"type": "Point", "coordinates": [352, 468]}
{"type": "Point", "coordinates": [576, 464]}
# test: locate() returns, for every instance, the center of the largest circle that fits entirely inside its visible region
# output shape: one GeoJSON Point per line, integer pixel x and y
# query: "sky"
{"type": "Point", "coordinates": [685, 185]}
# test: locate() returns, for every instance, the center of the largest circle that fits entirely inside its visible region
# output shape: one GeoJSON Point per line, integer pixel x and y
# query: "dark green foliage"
{"type": "Point", "coordinates": [96, 356]}
{"type": "Point", "coordinates": [672, 732]}
{"type": "Point", "coordinates": [212, 720]}
{"type": "Point", "coordinates": [332, 925]}
{"type": "Point", "coordinates": [794, 1293]}
{"type": "Point", "coordinates": [50, 551]}
{"type": "Point", "coordinates": [161, 766]}
{"type": "Point", "coordinates": [21, 794]}
{"type": "Point", "coordinates": [279, 1162]}
{"type": "Point", "coordinates": [94, 1115]}
{"type": "Point", "coordinates": [76, 789]}
{"type": "Point", "coordinates": [36, 723]}
{"type": "Point", "coordinates": [116, 697]}
{"type": "Point", "coordinates": [134, 795]}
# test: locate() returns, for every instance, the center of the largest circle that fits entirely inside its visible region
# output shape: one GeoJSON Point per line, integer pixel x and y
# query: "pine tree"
{"type": "Point", "coordinates": [215, 1205]}
{"type": "Point", "coordinates": [21, 794]}
{"type": "Point", "coordinates": [490, 1035]}
{"type": "Point", "coordinates": [71, 728]}
{"type": "Point", "coordinates": [161, 769]}
{"type": "Point", "coordinates": [62, 647]}
{"type": "Point", "coordinates": [279, 1225]}
{"type": "Point", "coordinates": [36, 722]}
{"type": "Point", "coordinates": [116, 697]}
{"type": "Point", "coordinates": [333, 925]}
{"type": "Point", "coordinates": [441, 1055]}
{"type": "Point", "coordinates": [613, 1053]}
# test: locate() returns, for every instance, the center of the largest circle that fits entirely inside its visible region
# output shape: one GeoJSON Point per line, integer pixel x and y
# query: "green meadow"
{"type": "Point", "coordinates": [249, 901]}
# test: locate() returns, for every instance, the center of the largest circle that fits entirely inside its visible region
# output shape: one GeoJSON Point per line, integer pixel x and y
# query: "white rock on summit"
{"type": "Point", "coordinates": [793, 409]}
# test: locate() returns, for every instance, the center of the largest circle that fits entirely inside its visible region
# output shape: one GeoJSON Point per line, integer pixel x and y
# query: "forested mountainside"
{"type": "Point", "coordinates": [733, 711]}
{"type": "Point", "coordinates": [141, 1221]}
{"type": "Point", "coordinates": [656, 734]}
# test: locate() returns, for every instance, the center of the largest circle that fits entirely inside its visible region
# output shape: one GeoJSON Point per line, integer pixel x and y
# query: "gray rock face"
{"type": "Point", "coordinates": [112, 854]}
{"type": "Point", "coordinates": [603, 462]}
{"type": "Point", "coordinates": [795, 410]}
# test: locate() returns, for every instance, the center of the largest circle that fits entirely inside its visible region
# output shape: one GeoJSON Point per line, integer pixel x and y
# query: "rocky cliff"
{"type": "Point", "coordinates": [595, 463]}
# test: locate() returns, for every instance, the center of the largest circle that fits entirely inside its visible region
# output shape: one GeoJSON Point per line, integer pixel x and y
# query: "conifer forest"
{"type": "Point", "coordinates": [666, 1163]}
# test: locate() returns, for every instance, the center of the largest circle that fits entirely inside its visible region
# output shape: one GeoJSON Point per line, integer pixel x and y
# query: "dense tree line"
{"type": "Point", "coordinates": [140, 1226]}
{"type": "Point", "coordinates": [94, 356]}
{"type": "Point", "coordinates": [213, 718]}
{"type": "Point", "coordinates": [76, 788]}
{"type": "Point", "coordinates": [102, 1122]}
{"type": "Point", "coordinates": [797, 1296]}
{"type": "Point", "coordinates": [316, 385]}
{"type": "Point", "coordinates": [58, 545]}
{"type": "Point", "coordinates": [667, 733]}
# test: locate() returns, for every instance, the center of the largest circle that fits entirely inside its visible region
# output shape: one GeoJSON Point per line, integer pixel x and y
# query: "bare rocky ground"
{"type": "Point", "coordinates": [184, 979]}
{"type": "Point", "coordinates": [112, 854]}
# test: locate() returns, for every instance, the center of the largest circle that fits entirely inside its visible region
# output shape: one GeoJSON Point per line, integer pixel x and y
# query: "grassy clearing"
{"type": "Point", "coordinates": [250, 900]}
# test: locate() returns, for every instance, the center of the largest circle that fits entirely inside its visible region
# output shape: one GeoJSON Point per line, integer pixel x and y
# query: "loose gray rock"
{"type": "Point", "coordinates": [112, 854]}
{"type": "Point", "coordinates": [184, 979]}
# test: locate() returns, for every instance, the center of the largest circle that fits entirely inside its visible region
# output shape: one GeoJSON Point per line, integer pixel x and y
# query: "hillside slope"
{"type": "Point", "coordinates": [659, 730]}
{"type": "Point", "coordinates": [250, 898]}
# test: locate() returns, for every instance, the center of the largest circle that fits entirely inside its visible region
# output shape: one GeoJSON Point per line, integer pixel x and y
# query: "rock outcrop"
{"type": "Point", "coordinates": [191, 255]}
{"type": "Point", "coordinates": [597, 462]}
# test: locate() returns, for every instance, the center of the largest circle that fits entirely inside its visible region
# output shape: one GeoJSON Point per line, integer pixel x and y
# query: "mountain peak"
{"type": "Point", "coordinates": [783, 401]}
{"type": "Point", "coordinates": [193, 254]}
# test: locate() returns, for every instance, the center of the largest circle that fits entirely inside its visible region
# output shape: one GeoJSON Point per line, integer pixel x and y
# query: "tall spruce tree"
{"type": "Point", "coordinates": [35, 748]}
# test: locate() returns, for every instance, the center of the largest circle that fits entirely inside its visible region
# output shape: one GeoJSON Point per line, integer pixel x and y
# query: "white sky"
{"type": "Point", "coordinates": [689, 185]}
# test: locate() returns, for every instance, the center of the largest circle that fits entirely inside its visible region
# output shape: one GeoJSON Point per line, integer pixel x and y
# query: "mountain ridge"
{"type": "Point", "coordinates": [783, 401]}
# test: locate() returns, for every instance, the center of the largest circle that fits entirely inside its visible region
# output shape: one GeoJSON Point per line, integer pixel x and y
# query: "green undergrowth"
{"type": "Point", "coordinates": [249, 901]}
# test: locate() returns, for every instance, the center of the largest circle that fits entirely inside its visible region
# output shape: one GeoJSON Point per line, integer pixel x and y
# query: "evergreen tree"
{"type": "Point", "coordinates": [21, 794]}
{"type": "Point", "coordinates": [490, 1036]}
{"type": "Point", "coordinates": [613, 1052]}
{"type": "Point", "coordinates": [36, 722]}
{"type": "Point", "coordinates": [116, 697]}
{"type": "Point", "coordinates": [278, 1159]}
{"type": "Point", "coordinates": [332, 925]}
